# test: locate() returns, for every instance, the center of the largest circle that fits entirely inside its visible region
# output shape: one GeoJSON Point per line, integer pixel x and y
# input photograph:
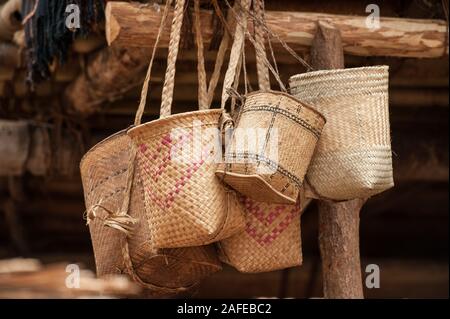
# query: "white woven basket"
{"type": "Point", "coordinates": [353, 157]}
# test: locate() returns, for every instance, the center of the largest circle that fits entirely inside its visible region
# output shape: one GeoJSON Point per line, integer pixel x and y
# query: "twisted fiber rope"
{"type": "Point", "coordinates": [263, 71]}
{"type": "Point", "coordinates": [269, 41]}
{"type": "Point", "coordinates": [284, 44]}
{"type": "Point", "coordinates": [174, 44]}
{"type": "Point", "coordinates": [217, 68]}
{"type": "Point", "coordinates": [202, 89]}
{"type": "Point", "coordinates": [144, 92]}
{"type": "Point", "coordinates": [244, 69]}
{"type": "Point", "coordinates": [258, 50]}
{"type": "Point", "coordinates": [236, 49]}
{"type": "Point", "coordinates": [218, 64]}
{"type": "Point", "coordinates": [228, 24]}
{"type": "Point", "coordinates": [240, 67]}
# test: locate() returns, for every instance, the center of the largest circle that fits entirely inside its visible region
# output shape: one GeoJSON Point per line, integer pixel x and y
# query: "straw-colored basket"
{"type": "Point", "coordinates": [271, 240]}
{"type": "Point", "coordinates": [271, 166]}
{"type": "Point", "coordinates": [177, 156]}
{"type": "Point", "coordinates": [104, 172]}
{"type": "Point", "coordinates": [176, 161]}
{"type": "Point", "coordinates": [353, 158]}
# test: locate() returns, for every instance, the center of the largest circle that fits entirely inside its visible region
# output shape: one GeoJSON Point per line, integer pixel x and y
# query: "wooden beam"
{"type": "Point", "coordinates": [136, 25]}
{"type": "Point", "coordinates": [108, 75]}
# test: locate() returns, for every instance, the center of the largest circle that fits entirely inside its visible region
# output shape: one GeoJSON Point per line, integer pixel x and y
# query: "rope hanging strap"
{"type": "Point", "coordinates": [259, 52]}
{"type": "Point", "coordinates": [202, 89]}
{"type": "Point", "coordinates": [236, 49]}
{"type": "Point", "coordinates": [174, 45]}
{"type": "Point", "coordinates": [262, 70]}
{"type": "Point", "coordinates": [220, 53]}
{"type": "Point", "coordinates": [145, 87]}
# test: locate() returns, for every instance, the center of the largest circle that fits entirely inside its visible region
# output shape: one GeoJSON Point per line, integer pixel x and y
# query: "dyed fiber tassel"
{"type": "Point", "coordinates": [47, 37]}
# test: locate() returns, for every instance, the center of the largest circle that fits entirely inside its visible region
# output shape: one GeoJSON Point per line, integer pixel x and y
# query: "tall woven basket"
{"type": "Point", "coordinates": [353, 158]}
{"type": "Point", "coordinates": [271, 239]}
{"type": "Point", "coordinates": [281, 134]}
{"type": "Point", "coordinates": [105, 172]}
{"type": "Point", "coordinates": [176, 161]}
{"type": "Point", "coordinates": [190, 206]}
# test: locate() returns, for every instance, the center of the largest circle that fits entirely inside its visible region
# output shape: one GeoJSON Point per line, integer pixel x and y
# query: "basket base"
{"type": "Point", "coordinates": [254, 187]}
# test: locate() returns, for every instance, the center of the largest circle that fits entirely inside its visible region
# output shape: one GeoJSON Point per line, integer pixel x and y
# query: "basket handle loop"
{"type": "Point", "coordinates": [261, 68]}
{"type": "Point", "coordinates": [220, 57]}
{"type": "Point", "coordinates": [201, 72]}
{"type": "Point", "coordinates": [145, 87]}
{"type": "Point", "coordinates": [236, 50]}
{"type": "Point", "coordinates": [174, 45]}
{"type": "Point", "coordinates": [259, 51]}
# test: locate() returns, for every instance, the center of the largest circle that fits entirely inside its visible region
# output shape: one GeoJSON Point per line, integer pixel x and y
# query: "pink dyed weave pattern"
{"type": "Point", "coordinates": [261, 228]}
{"type": "Point", "coordinates": [167, 145]}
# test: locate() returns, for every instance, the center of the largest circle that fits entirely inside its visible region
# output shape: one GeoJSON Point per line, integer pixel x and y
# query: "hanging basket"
{"type": "Point", "coordinates": [271, 240]}
{"type": "Point", "coordinates": [14, 147]}
{"type": "Point", "coordinates": [176, 161]}
{"type": "Point", "coordinates": [353, 158]}
{"type": "Point", "coordinates": [105, 172]}
{"type": "Point", "coordinates": [271, 147]}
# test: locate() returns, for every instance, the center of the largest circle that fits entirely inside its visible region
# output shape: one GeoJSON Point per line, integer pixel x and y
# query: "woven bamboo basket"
{"type": "Point", "coordinates": [274, 162]}
{"type": "Point", "coordinates": [191, 207]}
{"type": "Point", "coordinates": [176, 160]}
{"type": "Point", "coordinates": [105, 172]}
{"type": "Point", "coordinates": [271, 240]}
{"type": "Point", "coordinates": [353, 158]}
{"type": "Point", "coordinates": [14, 147]}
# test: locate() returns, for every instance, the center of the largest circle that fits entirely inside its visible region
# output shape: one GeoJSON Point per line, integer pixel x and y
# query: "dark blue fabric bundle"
{"type": "Point", "coordinates": [47, 37]}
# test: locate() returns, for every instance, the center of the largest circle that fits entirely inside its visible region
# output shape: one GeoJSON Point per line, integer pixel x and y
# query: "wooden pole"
{"type": "Point", "coordinates": [338, 222]}
{"type": "Point", "coordinates": [339, 249]}
{"type": "Point", "coordinates": [136, 25]}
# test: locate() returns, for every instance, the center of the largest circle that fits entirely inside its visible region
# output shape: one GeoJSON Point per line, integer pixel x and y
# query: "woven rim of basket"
{"type": "Point", "coordinates": [100, 144]}
{"type": "Point", "coordinates": [307, 106]}
{"type": "Point", "coordinates": [337, 72]}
